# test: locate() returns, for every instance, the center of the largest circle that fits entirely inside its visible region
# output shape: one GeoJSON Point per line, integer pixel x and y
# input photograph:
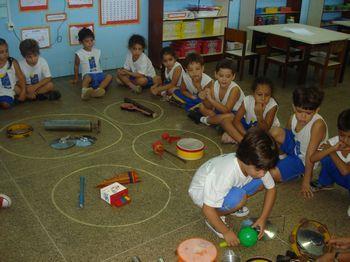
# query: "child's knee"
{"type": "Point", "coordinates": [108, 77]}
{"type": "Point", "coordinates": [142, 81]}
{"type": "Point", "coordinates": [120, 72]}
{"type": "Point", "coordinates": [157, 80]}
{"type": "Point", "coordinates": [49, 86]}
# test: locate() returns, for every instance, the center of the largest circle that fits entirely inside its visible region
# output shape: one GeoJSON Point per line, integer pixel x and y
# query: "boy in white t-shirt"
{"type": "Point", "coordinates": [194, 83]}
{"type": "Point", "coordinates": [138, 72]}
{"type": "Point", "coordinates": [222, 185]}
{"type": "Point", "coordinates": [94, 81]}
{"type": "Point", "coordinates": [37, 72]}
{"type": "Point", "coordinates": [335, 158]}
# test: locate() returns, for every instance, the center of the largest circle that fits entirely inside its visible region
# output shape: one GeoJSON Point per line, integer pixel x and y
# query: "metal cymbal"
{"type": "Point", "coordinates": [63, 143]}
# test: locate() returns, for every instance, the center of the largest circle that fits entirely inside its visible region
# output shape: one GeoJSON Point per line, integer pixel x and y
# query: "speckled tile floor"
{"type": "Point", "coordinates": [45, 224]}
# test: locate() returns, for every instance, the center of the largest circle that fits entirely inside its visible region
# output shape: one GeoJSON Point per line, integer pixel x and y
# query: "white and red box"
{"type": "Point", "coordinates": [212, 46]}
{"type": "Point", "coordinates": [113, 192]}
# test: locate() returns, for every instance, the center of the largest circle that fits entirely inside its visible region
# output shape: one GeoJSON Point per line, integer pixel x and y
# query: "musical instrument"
{"type": "Point", "coordinates": [196, 250]}
{"type": "Point", "coordinates": [141, 108]}
{"type": "Point", "coordinates": [17, 131]}
{"type": "Point", "coordinates": [190, 148]}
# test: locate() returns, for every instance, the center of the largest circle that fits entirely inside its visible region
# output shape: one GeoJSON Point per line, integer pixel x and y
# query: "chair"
{"type": "Point", "coordinates": [280, 52]}
{"type": "Point", "coordinates": [241, 54]}
{"type": "Point", "coordinates": [332, 60]}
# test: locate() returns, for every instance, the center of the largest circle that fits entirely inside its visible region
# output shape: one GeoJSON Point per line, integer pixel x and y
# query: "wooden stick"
{"type": "Point", "coordinates": [174, 155]}
{"type": "Point", "coordinates": [131, 101]}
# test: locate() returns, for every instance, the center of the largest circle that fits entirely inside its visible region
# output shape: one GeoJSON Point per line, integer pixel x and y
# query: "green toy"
{"type": "Point", "coordinates": [248, 236]}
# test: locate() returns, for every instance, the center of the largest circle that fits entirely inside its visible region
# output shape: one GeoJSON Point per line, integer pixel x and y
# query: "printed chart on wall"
{"type": "Point", "coordinates": [119, 12]}
{"type": "Point", "coordinates": [74, 30]}
{"type": "Point", "coordinates": [80, 3]}
{"type": "Point", "coordinates": [40, 34]}
{"type": "Point", "coordinates": [29, 5]}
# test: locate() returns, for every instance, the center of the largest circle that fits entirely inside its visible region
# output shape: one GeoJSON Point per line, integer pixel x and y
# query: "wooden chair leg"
{"type": "Point", "coordinates": [279, 71]}
{"type": "Point", "coordinates": [257, 66]}
{"type": "Point", "coordinates": [266, 65]}
{"type": "Point", "coordinates": [323, 77]}
{"type": "Point", "coordinates": [238, 64]}
{"type": "Point", "coordinates": [284, 80]}
{"type": "Point", "coordinates": [251, 65]}
{"type": "Point", "coordinates": [337, 74]}
{"type": "Point", "coordinates": [241, 67]}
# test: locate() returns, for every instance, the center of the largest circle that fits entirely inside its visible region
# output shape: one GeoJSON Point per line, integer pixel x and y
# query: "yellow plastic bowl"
{"type": "Point", "coordinates": [190, 148]}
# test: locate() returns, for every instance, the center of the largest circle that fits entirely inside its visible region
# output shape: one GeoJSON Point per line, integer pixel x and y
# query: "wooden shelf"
{"type": "Point", "coordinates": [211, 54]}
{"type": "Point", "coordinates": [335, 11]}
{"type": "Point", "coordinates": [279, 13]}
{"type": "Point", "coordinates": [195, 18]}
{"type": "Point", "coordinates": [188, 38]}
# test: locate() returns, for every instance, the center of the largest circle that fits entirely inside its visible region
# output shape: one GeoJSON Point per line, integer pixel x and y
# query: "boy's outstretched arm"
{"type": "Point", "coordinates": [269, 201]}
{"type": "Point", "coordinates": [76, 69]}
{"type": "Point", "coordinates": [318, 133]}
{"type": "Point", "coordinates": [214, 219]}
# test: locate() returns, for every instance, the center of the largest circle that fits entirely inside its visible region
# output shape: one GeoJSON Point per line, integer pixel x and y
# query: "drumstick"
{"type": "Point", "coordinates": [174, 155]}
{"type": "Point", "coordinates": [129, 100]}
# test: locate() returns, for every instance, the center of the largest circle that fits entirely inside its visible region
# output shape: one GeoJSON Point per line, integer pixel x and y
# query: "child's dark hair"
{"type": "Point", "coordinates": [85, 33]}
{"type": "Point", "coordinates": [225, 64]}
{"type": "Point", "coordinates": [261, 80]}
{"type": "Point", "coordinates": [307, 98]}
{"type": "Point", "coordinates": [29, 47]}
{"type": "Point", "coordinates": [259, 149]}
{"type": "Point", "coordinates": [193, 58]}
{"type": "Point", "coordinates": [9, 59]}
{"type": "Point", "coordinates": [344, 121]}
{"type": "Point", "coordinates": [137, 39]}
{"type": "Point", "coordinates": [166, 51]}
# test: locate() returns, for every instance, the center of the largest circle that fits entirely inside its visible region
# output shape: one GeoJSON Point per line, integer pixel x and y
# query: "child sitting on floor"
{"type": "Point", "coordinates": [335, 158]}
{"type": "Point", "coordinates": [225, 96]}
{"type": "Point", "coordinates": [222, 185]}
{"type": "Point", "coordinates": [194, 82]}
{"type": "Point", "coordinates": [94, 81]}
{"type": "Point", "coordinates": [305, 131]}
{"type": "Point", "coordinates": [138, 72]}
{"type": "Point", "coordinates": [259, 109]}
{"type": "Point", "coordinates": [12, 81]}
{"type": "Point", "coordinates": [37, 72]}
{"type": "Point", "coordinates": [171, 75]}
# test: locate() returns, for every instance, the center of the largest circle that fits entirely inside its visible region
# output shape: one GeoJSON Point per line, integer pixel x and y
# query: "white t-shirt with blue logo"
{"type": "Point", "coordinates": [89, 61]}
{"type": "Point", "coordinates": [8, 80]}
{"type": "Point", "coordinates": [35, 74]}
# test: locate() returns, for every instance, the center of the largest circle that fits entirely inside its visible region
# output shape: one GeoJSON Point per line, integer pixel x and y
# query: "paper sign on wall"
{"type": "Point", "coordinates": [80, 3]}
{"type": "Point", "coordinates": [28, 5]}
{"type": "Point", "coordinates": [74, 30]}
{"type": "Point", "coordinates": [40, 34]}
{"type": "Point", "coordinates": [119, 12]}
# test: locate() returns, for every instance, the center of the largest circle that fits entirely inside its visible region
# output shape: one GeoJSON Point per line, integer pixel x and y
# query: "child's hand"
{"type": "Point", "coordinates": [31, 89]}
{"type": "Point", "coordinates": [340, 243]}
{"type": "Point", "coordinates": [202, 94]}
{"type": "Point", "coordinates": [231, 238]}
{"type": "Point", "coordinates": [259, 109]}
{"type": "Point", "coordinates": [325, 146]}
{"type": "Point", "coordinates": [260, 225]}
{"type": "Point", "coordinates": [306, 190]}
{"type": "Point", "coordinates": [326, 257]}
{"type": "Point", "coordinates": [154, 90]}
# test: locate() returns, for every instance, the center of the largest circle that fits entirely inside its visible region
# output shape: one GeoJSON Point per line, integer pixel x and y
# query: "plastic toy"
{"type": "Point", "coordinates": [248, 236]}
{"type": "Point", "coordinates": [124, 178]}
{"type": "Point", "coordinates": [169, 138]}
{"type": "Point", "coordinates": [158, 149]}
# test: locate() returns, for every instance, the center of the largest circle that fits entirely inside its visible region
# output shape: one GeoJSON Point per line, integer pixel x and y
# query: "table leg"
{"type": "Point", "coordinates": [305, 64]}
{"type": "Point", "coordinates": [346, 57]}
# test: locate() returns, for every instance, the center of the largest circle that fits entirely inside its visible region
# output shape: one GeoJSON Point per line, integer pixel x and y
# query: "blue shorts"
{"type": "Point", "coordinates": [96, 79]}
{"type": "Point", "coordinates": [235, 195]}
{"type": "Point", "coordinates": [330, 174]}
{"type": "Point", "coordinates": [147, 85]}
{"type": "Point", "coordinates": [7, 99]}
{"type": "Point", "coordinates": [188, 102]}
{"type": "Point", "coordinates": [292, 166]}
{"type": "Point", "coordinates": [246, 125]}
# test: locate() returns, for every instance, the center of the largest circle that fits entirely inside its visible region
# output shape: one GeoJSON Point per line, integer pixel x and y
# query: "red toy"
{"type": "Point", "coordinates": [122, 201]}
{"type": "Point", "coordinates": [169, 138]}
{"type": "Point", "coordinates": [158, 149]}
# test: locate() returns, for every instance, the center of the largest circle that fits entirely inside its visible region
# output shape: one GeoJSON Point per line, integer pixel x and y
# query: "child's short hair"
{"type": "Point", "coordinates": [29, 47]}
{"type": "Point", "coordinates": [261, 80]}
{"type": "Point", "coordinates": [344, 121]}
{"type": "Point", "coordinates": [9, 59]}
{"type": "Point", "coordinates": [137, 39]}
{"type": "Point", "coordinates": [259, 149]}
{"type": "Point", "coordinates": [85, 33]}
{"type": "Point", "coordinates": [225, 64]}
{"type": "Point", "coordinates": [307, 98]}
{"type": "Point", "coordinates": [167, 51]}
{"type": "Point", "coordinates": [193, 58]}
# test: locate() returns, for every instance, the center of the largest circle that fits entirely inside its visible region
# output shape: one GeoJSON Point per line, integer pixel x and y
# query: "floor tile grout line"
{"type": "Point", "coordinates": [153, 239]}
{"type": "Point", "coordinates": [32, 210]}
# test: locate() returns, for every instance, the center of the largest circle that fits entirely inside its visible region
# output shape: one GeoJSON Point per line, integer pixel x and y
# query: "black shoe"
{"type": "Point", "coordinates": [54, 95]}
{"type": "Point", "coordinates": [41, 97]}
{"type": "Point", "coordinates": [195, 115]}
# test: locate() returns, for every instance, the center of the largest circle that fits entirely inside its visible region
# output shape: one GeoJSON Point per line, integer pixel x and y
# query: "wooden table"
{"type": "Point", "coordinates": [308, 36]}
{"type": "Point", "coordinates": [345, 23]}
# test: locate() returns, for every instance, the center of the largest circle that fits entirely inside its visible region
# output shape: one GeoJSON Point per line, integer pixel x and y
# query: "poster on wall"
{"type": "Point", "coordinates": [80, 3]}
{"type": "Point", "coordinates": [32, 5]}
{"type": "Point", "coordinates": [119, 12]}
{"type": "Point", "coordinates": [40, 34]}
{"type": "Point", "coordinates": [74, 30]}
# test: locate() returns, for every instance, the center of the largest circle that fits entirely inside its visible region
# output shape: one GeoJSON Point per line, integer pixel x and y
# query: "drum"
{"type": "Point", "coordinates": [196, 250]}
{"type": "Point", "coordinates": [190, 148]}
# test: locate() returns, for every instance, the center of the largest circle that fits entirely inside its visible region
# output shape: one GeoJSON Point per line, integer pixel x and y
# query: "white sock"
{"type": "Point", "coordinates": [204, 120]}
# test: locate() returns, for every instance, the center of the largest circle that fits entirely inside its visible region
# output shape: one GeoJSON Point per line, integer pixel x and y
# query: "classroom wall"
{"type": "Point", "coordinates": [112, 40]}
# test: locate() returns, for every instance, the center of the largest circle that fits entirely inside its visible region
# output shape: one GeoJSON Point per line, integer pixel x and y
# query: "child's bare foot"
{"type": "Point", "coordinates": [99, 92]}
{"type": "Point", "coordinates": [86, 93]}
{"type": "Point", "coordinates": [227, 139]}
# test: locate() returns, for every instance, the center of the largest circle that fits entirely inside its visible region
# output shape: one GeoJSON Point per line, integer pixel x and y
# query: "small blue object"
{"type": "Point", "coordinates": [81, 192]}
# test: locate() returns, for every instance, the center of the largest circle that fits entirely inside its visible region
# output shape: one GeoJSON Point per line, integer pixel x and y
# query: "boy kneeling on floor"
{"type": "Point", "coordinates": [222, 185]}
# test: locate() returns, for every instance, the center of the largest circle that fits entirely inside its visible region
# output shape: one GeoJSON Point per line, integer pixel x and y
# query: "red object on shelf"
{"type": "Point", "coordinates": [285, 9]}
{"type": "Point", "coordinates": [182, 48]}
{"type": "Point", "coordinates": [210, 46]}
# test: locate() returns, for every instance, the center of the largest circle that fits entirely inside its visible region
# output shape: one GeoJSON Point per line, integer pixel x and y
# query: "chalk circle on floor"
{"type": "Point", "coordinates": [115, 113]}
{"type": "Point", "coordinates": [36, 146]}
{"type": "Point", "coordinates": [146, 202]}
{"type": "Point", "coordinates": [142, 147]}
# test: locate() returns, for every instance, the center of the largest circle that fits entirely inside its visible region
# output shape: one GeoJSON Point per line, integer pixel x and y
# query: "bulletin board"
{"type": "Point", "coordinates": [114, 12]}
{"type": "Point", "coordinates": [30, 5]}
{"type": "Point", "coordinates": [80, 3]}
{"type": "Point", "coordinates": [40, 34]}
{"type": "Point", "coordinates": [74, 30]}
